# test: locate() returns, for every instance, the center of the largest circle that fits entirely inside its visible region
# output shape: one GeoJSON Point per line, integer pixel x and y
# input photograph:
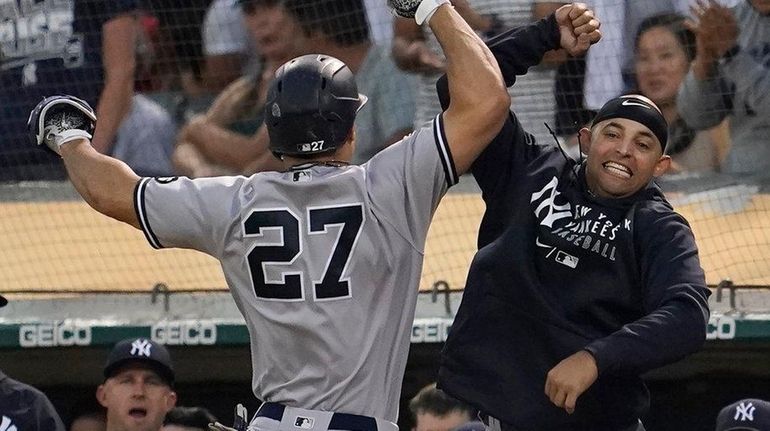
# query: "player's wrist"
{"type": "Point", "coordinates": [592, 354]}
{"type": "Point", "coordinates": [426, 9]}
{"type": "Point", "coordinates": [57, 141]}
{"type": "Point", "coordinates": [74, 148]}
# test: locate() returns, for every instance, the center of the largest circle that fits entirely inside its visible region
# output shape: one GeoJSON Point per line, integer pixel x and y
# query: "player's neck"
{"type": "Point", "coordinates": [294, 163]}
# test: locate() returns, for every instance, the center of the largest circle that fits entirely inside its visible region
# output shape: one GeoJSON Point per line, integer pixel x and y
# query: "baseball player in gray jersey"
{"type": "Point", "coordinates": [323, 259]}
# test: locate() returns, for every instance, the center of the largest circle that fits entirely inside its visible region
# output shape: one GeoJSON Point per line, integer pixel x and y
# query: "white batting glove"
{"type": "Point", "coordinates": [420, 10]}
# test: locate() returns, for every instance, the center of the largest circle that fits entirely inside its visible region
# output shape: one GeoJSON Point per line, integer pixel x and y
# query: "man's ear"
{"type": "Point", "coordinates": [171, 400]}
{"type": "Point", "coordinates": [662, 166]}
{"type": "Point", "coordinates": [584, 139]}
{"type": "Point", "coordinates": [101, 395]}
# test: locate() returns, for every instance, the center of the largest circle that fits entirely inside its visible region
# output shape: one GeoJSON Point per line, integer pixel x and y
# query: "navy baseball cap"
{"type": "Point", "coordinates": [637, 108]}
{"type": "Point", "coordinates": [749, 414]}
{"type": "Point", "coordinates": [142, 350]}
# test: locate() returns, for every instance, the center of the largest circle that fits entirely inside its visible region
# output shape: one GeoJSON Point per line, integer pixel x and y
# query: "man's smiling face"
{"type": "Point", "coordinates": [623, 156]}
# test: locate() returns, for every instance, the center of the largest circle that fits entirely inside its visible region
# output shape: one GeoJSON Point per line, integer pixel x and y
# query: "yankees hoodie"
{"type": "Point", "coordinates": [559, 270]}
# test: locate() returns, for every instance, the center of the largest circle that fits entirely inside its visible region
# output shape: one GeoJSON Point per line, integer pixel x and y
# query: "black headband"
{"type": "Point", "coordinates": [637, 109]}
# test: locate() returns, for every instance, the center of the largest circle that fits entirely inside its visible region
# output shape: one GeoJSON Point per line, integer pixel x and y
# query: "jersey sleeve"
{"type": "Point", "coordinates": [407, 180]}
{"type": "Point", "coordinates": [188, 213]}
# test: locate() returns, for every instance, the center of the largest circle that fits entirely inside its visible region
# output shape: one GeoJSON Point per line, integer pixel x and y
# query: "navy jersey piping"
{"type": "Point", "coordinates": [141, 213]}
{"type": "Point", "coordinates": [443, 150]}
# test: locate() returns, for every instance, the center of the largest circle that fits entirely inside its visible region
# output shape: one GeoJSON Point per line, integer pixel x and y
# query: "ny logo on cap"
{"type": "Point", "coordinates": [744, 412]}
{"type": "Point", "coordinates": [141, 348]}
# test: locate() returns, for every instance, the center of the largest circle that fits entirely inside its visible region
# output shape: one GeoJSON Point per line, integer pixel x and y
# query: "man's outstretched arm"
{"type": "Point", "coordinates": [106, 184]}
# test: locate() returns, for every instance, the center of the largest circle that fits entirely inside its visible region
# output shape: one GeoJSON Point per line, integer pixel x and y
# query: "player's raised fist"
{"type": "Point", "coordinates": [57, 120]}
{"type": "Point", "coordinates": [578, 28]}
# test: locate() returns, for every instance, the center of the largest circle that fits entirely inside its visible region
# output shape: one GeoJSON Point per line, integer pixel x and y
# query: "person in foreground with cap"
{"type": "Point", "coordinates": [138, 386]}
{"type": "Point", "coordinates": [749, 414]}
{"type": "Point", "coordinates": [23, 407]}
{"type": "Point", "coordinates": [585, 276]}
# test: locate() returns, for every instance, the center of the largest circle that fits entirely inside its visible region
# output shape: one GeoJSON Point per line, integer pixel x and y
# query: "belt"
{"type": "Point", "coordinates": [339, 421]}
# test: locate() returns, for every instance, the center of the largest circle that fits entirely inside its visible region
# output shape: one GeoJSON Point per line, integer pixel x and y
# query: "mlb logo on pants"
{"type": "Point", "coordinates": [303, 422]}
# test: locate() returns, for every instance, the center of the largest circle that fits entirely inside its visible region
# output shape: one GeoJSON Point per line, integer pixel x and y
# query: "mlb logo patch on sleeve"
{"type": "Point", "coordinates": [304, 423]}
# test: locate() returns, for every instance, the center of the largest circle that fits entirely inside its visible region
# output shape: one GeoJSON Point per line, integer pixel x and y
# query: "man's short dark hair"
{"type": "Point", "coordinates": [193, 417]}
{"type": "Point", "coordinates": [436, 402]}
{"type": "Point", "coordinates": [343, 21]}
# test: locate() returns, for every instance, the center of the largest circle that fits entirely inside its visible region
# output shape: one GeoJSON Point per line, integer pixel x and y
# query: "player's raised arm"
{"type": "Point", "coordinates": [479, 98]}
{"type": "Point", "coordinates": [65, 124]}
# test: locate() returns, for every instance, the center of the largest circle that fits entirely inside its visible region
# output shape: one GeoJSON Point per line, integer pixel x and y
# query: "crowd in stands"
{"type": "Point", "coordinates": [179, 87]}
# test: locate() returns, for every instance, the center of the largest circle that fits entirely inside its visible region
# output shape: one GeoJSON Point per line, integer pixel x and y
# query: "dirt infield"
{"type": "Point", "coordinates": [66, 246]}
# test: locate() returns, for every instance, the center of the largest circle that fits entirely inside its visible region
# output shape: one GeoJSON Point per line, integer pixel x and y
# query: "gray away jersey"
{"type": "Point", "coordinates": [323, 262]}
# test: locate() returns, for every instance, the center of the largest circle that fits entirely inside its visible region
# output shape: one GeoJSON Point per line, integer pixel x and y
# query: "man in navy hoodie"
{"type": "Point", "coordinates": [585, 277]}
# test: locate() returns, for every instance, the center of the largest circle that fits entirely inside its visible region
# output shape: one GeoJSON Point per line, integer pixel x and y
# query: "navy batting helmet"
{"type": "Point", "coordinates": [311, 105]}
